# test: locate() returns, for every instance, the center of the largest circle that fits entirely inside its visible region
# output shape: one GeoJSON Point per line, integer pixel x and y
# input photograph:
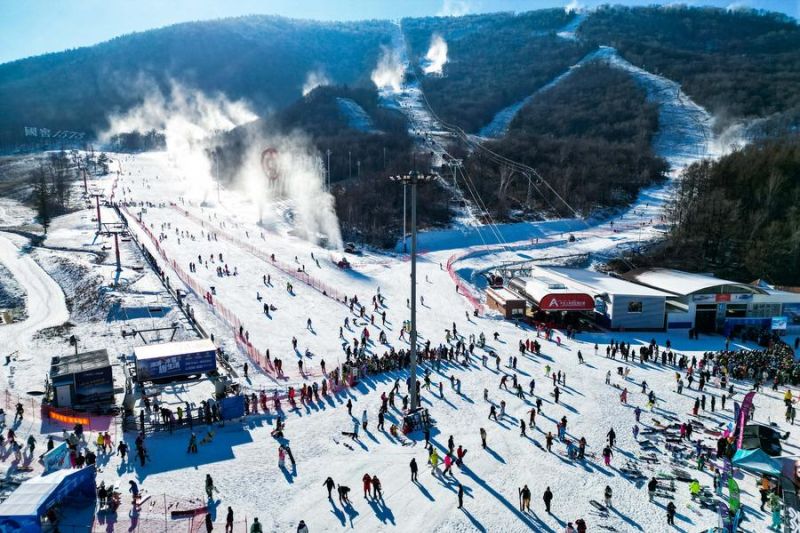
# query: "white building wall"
{"type": "Point", "coordinates": [623, 312]}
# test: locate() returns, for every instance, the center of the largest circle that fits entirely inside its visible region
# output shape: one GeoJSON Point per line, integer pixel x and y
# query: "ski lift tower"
{"type": "Point", "coordinates": [116, 229]}
{"type": "Point", "coordinates": [97, 196]}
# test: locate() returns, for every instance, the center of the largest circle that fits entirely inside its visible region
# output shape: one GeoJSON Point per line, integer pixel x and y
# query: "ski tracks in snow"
{"type": "Point", "coordinates": [45, 301]}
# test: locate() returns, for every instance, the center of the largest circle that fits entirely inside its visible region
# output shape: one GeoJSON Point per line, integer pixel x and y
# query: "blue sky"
{"type": "Point", "coordinates": [32, 27]}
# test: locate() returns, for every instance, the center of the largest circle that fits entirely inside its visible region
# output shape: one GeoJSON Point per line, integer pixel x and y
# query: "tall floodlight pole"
{"type": "Point", "coordinates": [404, 216]}
{"type": "Point", "coordinates": [216, 176]}
{"type": "Point", "coordinates": [412, 179]}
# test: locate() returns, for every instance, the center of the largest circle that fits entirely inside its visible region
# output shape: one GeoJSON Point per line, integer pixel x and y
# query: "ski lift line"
{"type": "Point", "coordinates": [468, 182]}
{"type": "Point", "coordinates": [481, 205]}
{"type": "Point", "coordinates": [462, 134]}
{"type": "Point", "coordinates": [492, 225]}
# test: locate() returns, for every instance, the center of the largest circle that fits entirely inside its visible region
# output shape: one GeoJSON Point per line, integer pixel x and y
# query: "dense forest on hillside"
{"type": "Point", "coordinates": [738, 217]}
{"type": "Point", "coordinates": [737, 63]}
{"type": "Point", "coordinates": [589, 137]}
{"type": "Point", "coordinates": [368, 205]}
{"type": "Point", "coordinates": [262, 59]}
{"type": "Point", "coordinates": [493, 60]}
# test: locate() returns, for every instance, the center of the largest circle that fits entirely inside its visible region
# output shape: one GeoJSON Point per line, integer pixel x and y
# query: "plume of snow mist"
{"type": "Point", "coordinates": [454, 8]}
{"type": "Point", "coordinates": [390, 71]}
{"type": "Point", "coordinates": [188, 119]}
{"type": "Point", "coordinates": [314, 79]}
{"type": "Point", "coordinates": [191, 123]}
{"type": "Point", "coordinates": [573, 7]}
{"type": "Point", "coordinates": [436, 56]}
{"type": "Point", "coordinates": [296, 179]}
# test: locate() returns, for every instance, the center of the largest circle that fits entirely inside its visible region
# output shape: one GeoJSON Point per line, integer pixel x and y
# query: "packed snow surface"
{"type": "Point", "coordinates": [242, 457]}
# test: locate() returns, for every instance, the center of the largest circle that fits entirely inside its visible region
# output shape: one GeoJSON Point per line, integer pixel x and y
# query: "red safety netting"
{"type": "Point", "coordinates": [311, 281]}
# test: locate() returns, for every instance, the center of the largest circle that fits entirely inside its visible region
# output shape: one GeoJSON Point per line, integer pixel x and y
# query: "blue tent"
{"type": "Point", "coordinates": [25, 507]}
{"type": "Point", "coordinates": [756, 460]}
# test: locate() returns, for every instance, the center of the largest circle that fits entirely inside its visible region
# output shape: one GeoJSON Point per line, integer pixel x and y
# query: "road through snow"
{"type": "Point", "coordinates": [45, 300]}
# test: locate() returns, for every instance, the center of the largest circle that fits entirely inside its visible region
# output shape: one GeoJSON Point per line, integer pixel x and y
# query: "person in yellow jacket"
{"type": "Point", "coordinates": [694, 488]}
{"type": "Point", "coordinates": [434, 461]}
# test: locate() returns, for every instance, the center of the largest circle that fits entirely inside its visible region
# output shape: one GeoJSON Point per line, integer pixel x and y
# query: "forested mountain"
{"type": "Point", "coordinates": [734, 62]}
{"type": "Point", "coordinates": [493, 60]}
{"type": "Point", "coordinates": [590, 136]}
{"type": "Point", "coordinates": [262, 59]}
{"type": "Point", "coordinates": [738, 217]}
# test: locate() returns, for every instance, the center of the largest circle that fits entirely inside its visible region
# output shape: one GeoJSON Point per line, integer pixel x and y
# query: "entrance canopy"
{"type": "Point", "coordinates": [25, 507]}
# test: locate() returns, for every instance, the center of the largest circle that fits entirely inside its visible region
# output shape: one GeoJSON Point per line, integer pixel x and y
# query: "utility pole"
{"type": "Point", "coordinates": [349, 165]}
{"type": "Point", "coordinates": [384, 158]}
{"type": "Point", "coordinates": [328, 153]}
{"type": "Point", "coordinates": [412, 179]}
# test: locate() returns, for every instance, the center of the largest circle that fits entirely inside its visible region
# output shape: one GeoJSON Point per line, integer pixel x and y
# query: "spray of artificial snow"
{"type": "Point", "coordinates": [186, 118]}
{"type": "Point", "coordinates": [314, 79]}
{"type": "Point", "coordinates": [436, 56]}
{"type": "Point", "coordinates": [190, 120]}
{"type": "Point", "coordinates": [296, 174]}
{"type": "Point", "coordinates": [389, 72]}
{"type": "Point", "coordinates": [573, 7]}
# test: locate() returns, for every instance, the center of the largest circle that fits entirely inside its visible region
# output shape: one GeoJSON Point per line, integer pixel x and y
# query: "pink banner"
{"type": "Point", "coordinates": [744, 412]}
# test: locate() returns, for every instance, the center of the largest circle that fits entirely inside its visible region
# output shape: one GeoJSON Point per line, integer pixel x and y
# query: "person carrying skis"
{"type": "Point", "coordinates": [525, 498]}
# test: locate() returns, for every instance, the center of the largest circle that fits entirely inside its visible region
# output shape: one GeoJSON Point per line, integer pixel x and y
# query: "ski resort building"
{"type": "Point", "coordinates": [506, 302]}
{"type": "Point", "coordinates": [82, 379]}
{"type": "Point", "coordinates": [707, 303]}
{"type": "Point", "coordinates": [170, 360]}
{"type": "Point", "coordinates": [612, 302]}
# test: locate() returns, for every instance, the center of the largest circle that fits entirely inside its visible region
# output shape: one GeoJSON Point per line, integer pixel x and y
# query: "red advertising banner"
{"type": "Point", "coordinates": [567, 302]}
